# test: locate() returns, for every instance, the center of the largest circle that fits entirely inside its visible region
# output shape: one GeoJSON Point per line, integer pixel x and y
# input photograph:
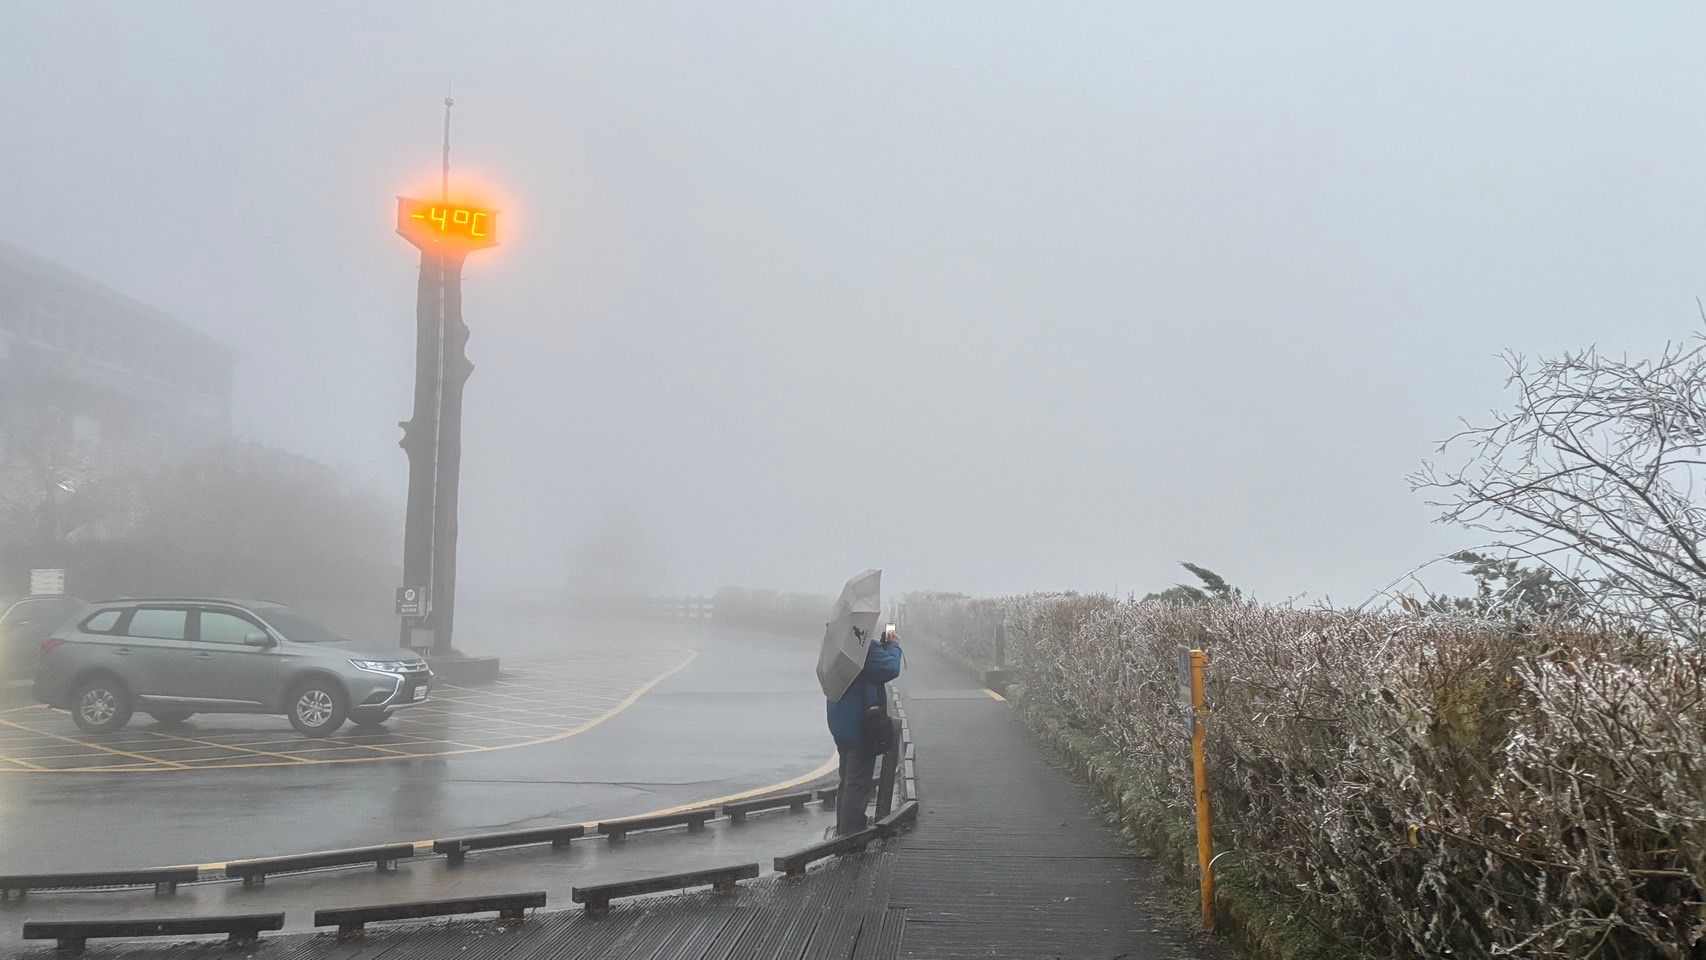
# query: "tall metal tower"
{"type": "Point", "coordinates": [445, 233]}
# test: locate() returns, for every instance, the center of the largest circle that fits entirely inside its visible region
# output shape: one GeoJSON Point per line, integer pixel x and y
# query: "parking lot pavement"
{"type": "Point", "coordinates": [536, 701]}
{"type": "Point", "coordinates": [14, 693]}
{"type": "Point", "coordinates": [727, 713]}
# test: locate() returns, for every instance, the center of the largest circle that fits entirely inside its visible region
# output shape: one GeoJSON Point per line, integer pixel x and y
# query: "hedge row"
{"type": "Point", "coordinates": [1415, 786]}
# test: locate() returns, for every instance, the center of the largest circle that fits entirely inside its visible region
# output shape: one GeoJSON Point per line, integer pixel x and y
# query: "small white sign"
{"type": "Point", "coordinates": [1187, 709]}
{"type": "Point", "coordinates": [47, 582]}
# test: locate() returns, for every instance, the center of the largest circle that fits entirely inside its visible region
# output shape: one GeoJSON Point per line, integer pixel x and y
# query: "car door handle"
{"type": "Point", "coordinates": [204, 655]}
{"type": "Point", "coordinates": [122, 651]}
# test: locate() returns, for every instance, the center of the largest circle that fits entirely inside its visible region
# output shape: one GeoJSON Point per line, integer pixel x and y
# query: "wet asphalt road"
{"type": "Point", "coordinates": [744, 714]}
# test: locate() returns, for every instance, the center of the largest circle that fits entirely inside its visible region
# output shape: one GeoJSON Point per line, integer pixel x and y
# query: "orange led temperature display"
{"type": "Point", "coordinates": [430, 224]}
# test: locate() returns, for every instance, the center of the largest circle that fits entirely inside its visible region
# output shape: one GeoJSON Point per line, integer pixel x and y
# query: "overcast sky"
{"type": "Point", "coordinates": [999, 297]}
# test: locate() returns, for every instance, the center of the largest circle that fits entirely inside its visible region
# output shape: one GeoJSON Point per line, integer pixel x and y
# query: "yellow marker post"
{"type": "Point", "coordinates": [1191, 664]}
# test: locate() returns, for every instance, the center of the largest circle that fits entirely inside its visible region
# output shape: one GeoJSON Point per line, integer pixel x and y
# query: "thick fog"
{"type": "Point", "coordinates": [997, 297]}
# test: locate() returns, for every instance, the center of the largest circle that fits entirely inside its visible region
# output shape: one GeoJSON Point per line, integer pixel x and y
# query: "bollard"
{"type": "Point", "coordinates": [1191, 664]}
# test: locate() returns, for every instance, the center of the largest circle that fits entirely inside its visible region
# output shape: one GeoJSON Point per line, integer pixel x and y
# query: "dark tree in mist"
{"type": "Point", "coordinates": [1214, 587]}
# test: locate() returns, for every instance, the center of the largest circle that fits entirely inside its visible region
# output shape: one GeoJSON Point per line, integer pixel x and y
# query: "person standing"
{"type": "Point", "coordinates": [857, 738]}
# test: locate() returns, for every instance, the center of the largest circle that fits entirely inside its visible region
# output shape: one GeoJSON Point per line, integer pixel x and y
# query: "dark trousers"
{"type": "Point", "coordinates": [854, 794]}
{"type": "Point", "coordinates": [857, 785]}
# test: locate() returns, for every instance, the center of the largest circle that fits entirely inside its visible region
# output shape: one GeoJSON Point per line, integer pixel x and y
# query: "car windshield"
{"type": "Point", "coordinates": [299, 628]}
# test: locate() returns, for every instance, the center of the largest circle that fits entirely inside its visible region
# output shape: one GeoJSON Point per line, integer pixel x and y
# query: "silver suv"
{"type": "Point", "coordinates": [174, 658]}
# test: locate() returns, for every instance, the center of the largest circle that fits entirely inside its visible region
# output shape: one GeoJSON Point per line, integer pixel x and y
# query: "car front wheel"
{"type": "Point", "coordinates": [317, 708]}
{"type": "Point", "coordinates": [101, 705]}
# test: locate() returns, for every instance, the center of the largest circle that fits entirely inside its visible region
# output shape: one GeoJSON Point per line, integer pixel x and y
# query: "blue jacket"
{"type": "Point", "coordinates": [882, 664]}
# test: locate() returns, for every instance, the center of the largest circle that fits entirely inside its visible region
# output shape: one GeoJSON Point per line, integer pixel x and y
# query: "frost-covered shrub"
{"type": "Point", "coordinates": [1423, 787]}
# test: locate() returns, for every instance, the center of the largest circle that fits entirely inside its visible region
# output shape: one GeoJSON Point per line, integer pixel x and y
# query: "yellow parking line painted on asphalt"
{"type": "Point", "coordinates": [379, 747]}
{"type": "Point", "coordinates": [634, 697]}
{"type": "Point", "coordinates": [252, 744]}
{"type": "Point", "coordinates": [116, 768]}
{"type": "Point", "coordinates": [331, 747]}
{"type": "Point", "coordinates": [519, 723]}
{"type": "Point", "coordinates": [995, 696]}
{"type": "Point", "coordinates": [93, 746]}
{"type": "Point", "coordinates": [146, 764]}
{"type": "Point", "coordinates": [74, 755]}
{"type": "Point", "coordinates": [227, 746]}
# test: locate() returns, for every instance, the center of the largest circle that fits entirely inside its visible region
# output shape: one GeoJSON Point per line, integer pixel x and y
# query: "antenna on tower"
{"type": "Point", "coordinates": [449, 102]}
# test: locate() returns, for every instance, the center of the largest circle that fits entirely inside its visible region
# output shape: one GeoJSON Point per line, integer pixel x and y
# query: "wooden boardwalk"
{"type": "Point", "coordinates": [817, 918]}
{"type": "Point", "coordinates": [1011, 857]}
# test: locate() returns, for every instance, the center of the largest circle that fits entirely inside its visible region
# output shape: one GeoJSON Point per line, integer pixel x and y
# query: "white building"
{"type": "Point", "coordinates": [86, 364]}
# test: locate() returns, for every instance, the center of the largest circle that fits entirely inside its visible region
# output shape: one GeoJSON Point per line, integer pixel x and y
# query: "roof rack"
{"type": "Point", "coordinates": [228, 601]}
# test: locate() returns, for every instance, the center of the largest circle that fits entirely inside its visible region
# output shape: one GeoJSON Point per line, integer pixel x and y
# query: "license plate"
{"type": "Point", "coordinates": [420, 694]}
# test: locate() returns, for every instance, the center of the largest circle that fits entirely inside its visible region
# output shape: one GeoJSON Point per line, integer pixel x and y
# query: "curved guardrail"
{"type": "Point", "coordinates": [737, 812]}
{"type": "Point", "coordinates": [456, 849]}
{"type": "Point", "coordinates": [240, 929]}
{"type": "Point", "coordinates": [164, 880]}
{"type": "Point", "coordinates": [694, 820]}
{"type": "Point", "coordinates": [794, 864]}
{"type": "Point", "coordinates": [255, 872]}
{"type": "Point", "coordinates": [904, 814]}
{"type": "Point", "coordinates": [720, 879]}
{"type": "Point", "coordinates": [352, 921]}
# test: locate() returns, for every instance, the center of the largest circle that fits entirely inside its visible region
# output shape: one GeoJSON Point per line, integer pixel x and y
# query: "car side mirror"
{"type": "Point", "coordinates": [257, 639]}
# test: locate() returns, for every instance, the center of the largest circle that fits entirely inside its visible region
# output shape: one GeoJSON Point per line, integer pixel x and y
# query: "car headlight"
{"type": "Point", "coordinates": [381, 666]}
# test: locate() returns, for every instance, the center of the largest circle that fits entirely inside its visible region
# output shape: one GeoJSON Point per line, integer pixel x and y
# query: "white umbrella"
{"type": "Point", "coordinates": [848, 635]}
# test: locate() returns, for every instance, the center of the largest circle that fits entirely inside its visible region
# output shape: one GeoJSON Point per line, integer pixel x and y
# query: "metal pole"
{"type": "Point", "coordinates": [49, 518]}
{"type": "Point", "coordinates": [435, 528]}
{"type": "Point", "coordinates": [1199, 768]}
{"type": "Point", "coordinates": [444, 185]}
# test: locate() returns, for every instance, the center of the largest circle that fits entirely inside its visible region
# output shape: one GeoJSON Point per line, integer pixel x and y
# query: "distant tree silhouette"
{"type": "Point", "coordinates": [1214, 587]}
